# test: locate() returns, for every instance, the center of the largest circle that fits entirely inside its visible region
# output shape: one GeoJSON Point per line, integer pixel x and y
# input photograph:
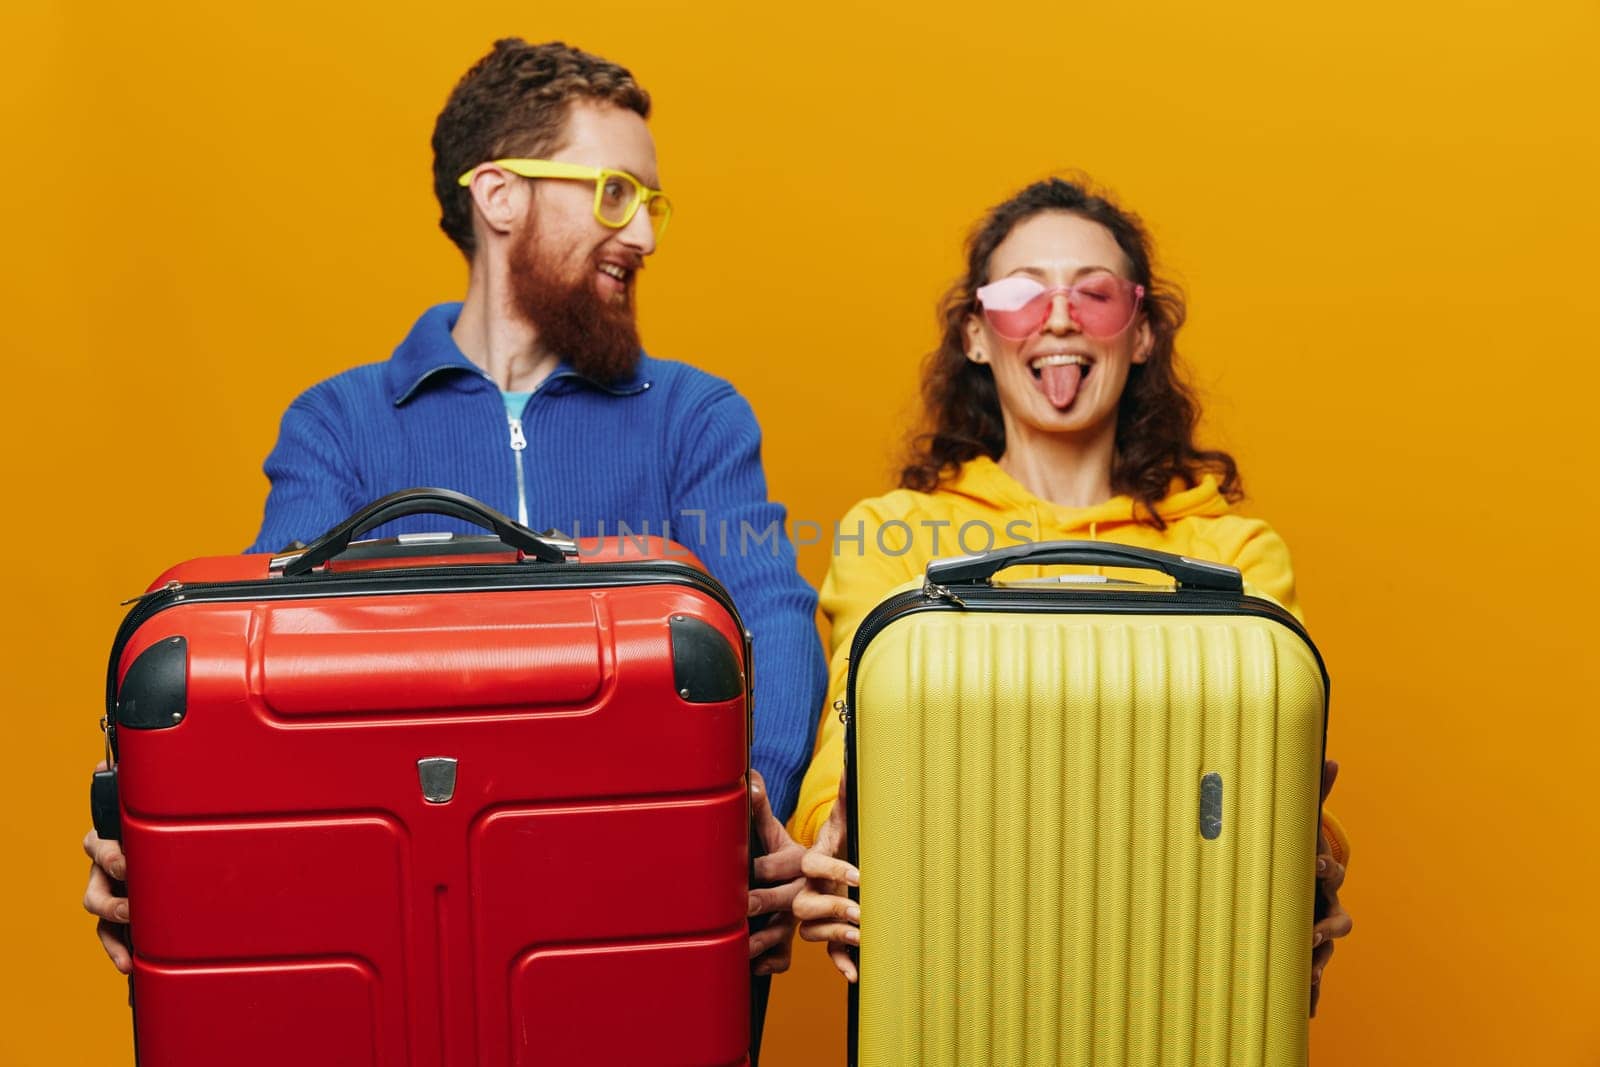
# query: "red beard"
{"type": "Point", "coordinates": [597, 336]}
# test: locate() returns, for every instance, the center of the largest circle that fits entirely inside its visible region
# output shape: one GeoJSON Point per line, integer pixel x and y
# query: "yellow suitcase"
{"type": "Point", "coordinates": [1086, 813]}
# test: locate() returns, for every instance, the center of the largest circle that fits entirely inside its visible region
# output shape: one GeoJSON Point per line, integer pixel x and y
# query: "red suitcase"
{"type": "Point", "coordinates": [434, 802]}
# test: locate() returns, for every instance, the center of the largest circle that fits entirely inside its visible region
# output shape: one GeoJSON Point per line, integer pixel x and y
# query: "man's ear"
{"type": "Point", "coordinates": [976, 350]}
{"type": "Point", "coordinates": [498, 197]}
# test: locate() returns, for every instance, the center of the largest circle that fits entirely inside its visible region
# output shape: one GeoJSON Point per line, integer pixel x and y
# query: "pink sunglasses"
{"type": "Point", "coordinates": [1101, 304]}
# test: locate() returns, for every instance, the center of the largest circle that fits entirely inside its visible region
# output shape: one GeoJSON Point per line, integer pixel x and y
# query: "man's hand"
{"type": "Point", "coordinates": [1335, 921]}
{"type": "Point", "coordinates": [779, 872]}
{"type": "Point", "coordinates": [824, 908]}
{"type": "Point", "coordinates": [107, 866]}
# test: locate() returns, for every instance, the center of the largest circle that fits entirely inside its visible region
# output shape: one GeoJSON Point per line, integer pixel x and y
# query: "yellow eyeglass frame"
{"type": "Point", "coordinates": [657, 206]}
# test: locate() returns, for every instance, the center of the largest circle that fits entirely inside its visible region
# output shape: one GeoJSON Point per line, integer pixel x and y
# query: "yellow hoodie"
{"type": "Point", "coordinates": [887, 541]}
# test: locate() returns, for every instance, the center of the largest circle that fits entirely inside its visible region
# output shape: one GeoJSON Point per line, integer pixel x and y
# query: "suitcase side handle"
{"type": "Point", "coordinates": [424, 502]}
{"type": "Point", "coordinates": [981, 568]}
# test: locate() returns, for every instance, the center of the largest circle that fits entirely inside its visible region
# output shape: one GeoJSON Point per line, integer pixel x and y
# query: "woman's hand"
{"type": "Point", "coordinates": [824, 908]}
{"type": "Point", "coordinates": [1335, 921]}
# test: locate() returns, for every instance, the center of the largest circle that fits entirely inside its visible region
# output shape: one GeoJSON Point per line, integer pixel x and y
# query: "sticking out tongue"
{"type": "Point", "coordinates": [1060, 383]}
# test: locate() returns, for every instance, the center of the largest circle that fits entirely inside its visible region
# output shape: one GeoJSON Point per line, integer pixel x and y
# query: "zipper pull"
{"type": "Point", "coordinates": [518, 441]}
{"type": "Point", "coordinates": [843, 709]}
{"type": "Point", "coordinates": [939, 592]}
{"type": "Point", "coordinates": [174, 584]}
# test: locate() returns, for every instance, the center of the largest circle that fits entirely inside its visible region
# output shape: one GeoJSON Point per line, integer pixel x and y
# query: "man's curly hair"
{"type": "Point", "coordinates": [514, 102]}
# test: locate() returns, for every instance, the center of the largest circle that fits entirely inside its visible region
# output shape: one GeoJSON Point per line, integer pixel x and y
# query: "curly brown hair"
{"type": "Point", "coordinates": [1157, 414]}
{"type": "Point", "coordinates": [514, 102]}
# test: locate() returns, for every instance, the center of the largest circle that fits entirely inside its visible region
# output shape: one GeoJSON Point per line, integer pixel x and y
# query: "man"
{"type": "Point", "coordinates": [533, 396]}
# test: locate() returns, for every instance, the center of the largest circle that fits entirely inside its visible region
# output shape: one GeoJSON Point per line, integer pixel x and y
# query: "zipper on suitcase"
{"type": "Point", "coordinates": [421, 580]}
{"type": "Point", "coordinates": [933, 597]}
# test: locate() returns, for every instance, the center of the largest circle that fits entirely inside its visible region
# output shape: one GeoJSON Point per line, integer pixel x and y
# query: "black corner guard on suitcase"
{"type": "Point", "coordinates": [981, 568]}
{"type": "Point", "coordinates": [705, 668]}
{"type": "Point", "coordinates": [427, 502]}
{"type": "Point", "coordinates": [154, 694]}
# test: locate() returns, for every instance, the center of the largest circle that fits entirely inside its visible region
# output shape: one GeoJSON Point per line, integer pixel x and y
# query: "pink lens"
{"type": "Point", "coordinates": [1101, 305]}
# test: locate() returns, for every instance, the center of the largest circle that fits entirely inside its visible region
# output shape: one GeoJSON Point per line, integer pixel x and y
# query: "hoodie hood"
{"type": "Point", "coordinates": [983, 483]}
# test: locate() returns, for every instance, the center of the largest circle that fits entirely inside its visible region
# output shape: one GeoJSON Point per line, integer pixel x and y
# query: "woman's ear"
{"type": "Point", "coordinates": [976, 352]}
{"type": "Point", "coordinates": [1144, 342]}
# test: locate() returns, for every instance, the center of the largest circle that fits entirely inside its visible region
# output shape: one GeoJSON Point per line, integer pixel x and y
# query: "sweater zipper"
{"type": "Point", "coordinates": [519, 444]}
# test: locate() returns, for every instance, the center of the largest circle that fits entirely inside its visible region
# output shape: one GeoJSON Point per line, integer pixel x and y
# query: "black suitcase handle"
{"type": "Point", "coordinates": [103, 807]}
{"type": "Point", "coordinates": [980, 569]}
{"type": "Point", "coordinates": [424, 502]}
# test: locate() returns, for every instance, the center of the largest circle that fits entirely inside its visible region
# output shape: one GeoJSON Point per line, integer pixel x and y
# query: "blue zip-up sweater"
{"type": "Point", "coordinates": [663, 446]}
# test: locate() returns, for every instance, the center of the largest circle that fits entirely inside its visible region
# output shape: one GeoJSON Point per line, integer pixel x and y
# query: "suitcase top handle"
{"type": "Point", "coordinates": [425, 502]}
{"type": "Point", "coordinates": [980, 569]}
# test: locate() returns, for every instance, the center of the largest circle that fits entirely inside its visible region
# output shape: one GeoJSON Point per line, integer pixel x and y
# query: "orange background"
{"type": "Point", "coordinates": [1382, 213]}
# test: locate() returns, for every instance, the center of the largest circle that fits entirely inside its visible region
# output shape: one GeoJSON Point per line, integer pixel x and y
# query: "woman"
{"type": "Point", "coordinates": [1056, 410]}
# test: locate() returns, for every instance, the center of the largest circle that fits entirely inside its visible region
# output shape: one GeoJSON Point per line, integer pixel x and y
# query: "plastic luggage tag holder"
{"type": "Point", "coordinates": [1058, 580]}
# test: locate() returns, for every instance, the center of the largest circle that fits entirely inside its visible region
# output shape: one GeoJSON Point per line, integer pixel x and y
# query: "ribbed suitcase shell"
{"type": "Point", "coordinates": [297, 899]}
{"type": "Point", "coordinates": [1036, 888]}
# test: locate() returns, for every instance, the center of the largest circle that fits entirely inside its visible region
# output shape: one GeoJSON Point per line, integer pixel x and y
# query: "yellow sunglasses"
{"type": "Point", "coordinates": [617, 194]}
